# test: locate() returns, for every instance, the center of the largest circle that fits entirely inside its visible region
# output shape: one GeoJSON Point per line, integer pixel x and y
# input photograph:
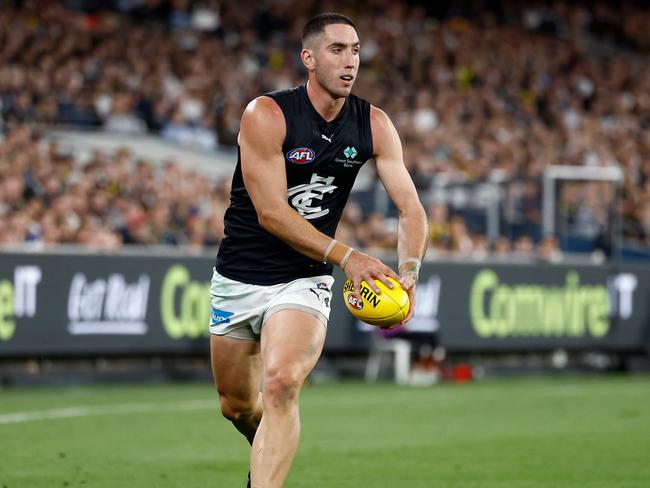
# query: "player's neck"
{"type": "Point", "coordinates": [325, 105]}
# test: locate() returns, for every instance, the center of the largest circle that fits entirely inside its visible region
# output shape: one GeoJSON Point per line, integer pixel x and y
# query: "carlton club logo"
{"type": "Point", "coordinates": [301, 155]}
{"type": "Point", "coordinates": [305, 198]}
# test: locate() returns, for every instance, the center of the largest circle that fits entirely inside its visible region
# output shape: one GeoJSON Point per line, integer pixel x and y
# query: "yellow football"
{"type": "Point", "coordinates": [383, 310]}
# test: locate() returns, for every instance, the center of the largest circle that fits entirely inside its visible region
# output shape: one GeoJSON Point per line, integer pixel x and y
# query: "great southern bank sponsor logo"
{"type": "Point", "coordinates": [350, 153]}
{"type": "Point", "coordinates": [301, 155]}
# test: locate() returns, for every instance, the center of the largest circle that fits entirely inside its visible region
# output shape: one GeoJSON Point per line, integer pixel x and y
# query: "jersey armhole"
{"type": "Point", "coordinates": [368, 125]}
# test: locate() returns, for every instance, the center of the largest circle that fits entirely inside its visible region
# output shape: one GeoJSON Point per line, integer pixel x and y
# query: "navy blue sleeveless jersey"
{"type": "Point", "coordinates": [321, 160]}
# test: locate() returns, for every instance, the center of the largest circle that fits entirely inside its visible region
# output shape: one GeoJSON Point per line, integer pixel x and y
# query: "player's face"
{"type": "Point", "coordinates": [337, 60]}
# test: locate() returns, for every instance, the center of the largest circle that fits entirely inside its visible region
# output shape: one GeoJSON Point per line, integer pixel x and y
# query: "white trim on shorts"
{"type": "Point", "coordinates": [295, 306]}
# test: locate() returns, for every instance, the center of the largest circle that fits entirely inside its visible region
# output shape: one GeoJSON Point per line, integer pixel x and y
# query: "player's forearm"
{"type": "Point", "coordinates": [286, 224]}
{"type": "Point", "coordinates": [412, 233]}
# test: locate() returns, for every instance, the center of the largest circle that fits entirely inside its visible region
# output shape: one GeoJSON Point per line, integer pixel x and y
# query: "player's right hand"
{"type": "Point", "coordinates": [408, 282]}
{"type": "Point", "coordinates": [362, 267]}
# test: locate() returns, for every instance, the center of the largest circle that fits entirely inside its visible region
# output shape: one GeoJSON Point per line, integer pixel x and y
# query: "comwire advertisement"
{"type": "Point", "coordinates": [543, 307]}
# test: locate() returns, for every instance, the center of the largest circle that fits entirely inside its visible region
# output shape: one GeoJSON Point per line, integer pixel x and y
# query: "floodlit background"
{"type": "Point", "coordinates": [525, 127]}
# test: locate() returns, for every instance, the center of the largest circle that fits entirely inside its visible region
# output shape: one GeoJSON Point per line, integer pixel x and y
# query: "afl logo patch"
{"type": "Point", "coordinates": [301, 155]}
{"type": "Point", "coordinates": [354, 303]}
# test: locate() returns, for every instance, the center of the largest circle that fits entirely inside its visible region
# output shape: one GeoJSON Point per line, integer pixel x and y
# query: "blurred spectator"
{"type": "Point", "coordinates": [439, 232]}
{"type": "Point", "coordinates": [591, 216]}
{"type": "Point", "coordinates": [502, 248]}
{"type": "Point", "coordinates": [187, 134]}
{"type": "Point", "coordinates": [524, 247]}
{"type": "Point", "coordinates": [549, 250]}
{"type": "Point", "coordinates": [459, 238]}
{"type": "Point", "coordinates": [121, 116]}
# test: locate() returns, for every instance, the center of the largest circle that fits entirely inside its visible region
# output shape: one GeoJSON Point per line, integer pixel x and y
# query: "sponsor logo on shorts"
{"type": "Point", "coordinates": [220, 316]}
{"type": "Point", "coordinates": [323, 293]}
{"type": "Point", "coordinates": [301, 155]}
{"type": "Point", "coordinates": [354, 303]}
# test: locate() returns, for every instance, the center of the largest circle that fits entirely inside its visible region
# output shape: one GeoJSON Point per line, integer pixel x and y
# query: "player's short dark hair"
{"type": "Point", "coordinates": [316, 25]}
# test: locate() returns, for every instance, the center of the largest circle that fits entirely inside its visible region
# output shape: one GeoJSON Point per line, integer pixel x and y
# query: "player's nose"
{"type": "Point", "coordinates": [349, 59]}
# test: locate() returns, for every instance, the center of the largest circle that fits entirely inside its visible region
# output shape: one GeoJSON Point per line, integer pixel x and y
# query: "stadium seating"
{"type": "Point", "coordinates": [491, 95]}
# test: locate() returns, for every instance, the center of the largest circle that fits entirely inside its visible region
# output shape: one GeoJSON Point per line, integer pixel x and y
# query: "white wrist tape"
{"type": "Point", "coordinates": [346, 258]}
{"type": "Point", "coordinates": [329, 248]}
{"type": "Point", "coordinates": [410, 266]}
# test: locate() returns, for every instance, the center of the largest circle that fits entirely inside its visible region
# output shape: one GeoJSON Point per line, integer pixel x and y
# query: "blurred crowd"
{"type": "Point", "coordinates": [47, 196]}
{"type": "Point", "coordinates": [478, 93]}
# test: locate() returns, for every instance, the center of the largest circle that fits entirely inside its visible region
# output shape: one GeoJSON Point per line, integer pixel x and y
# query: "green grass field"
{"type": "Point", "coordinates": [528, 433]}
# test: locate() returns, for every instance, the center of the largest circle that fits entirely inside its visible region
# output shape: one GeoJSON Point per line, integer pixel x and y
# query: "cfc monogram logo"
{"type": "Point", "coordinates": [302, 197]}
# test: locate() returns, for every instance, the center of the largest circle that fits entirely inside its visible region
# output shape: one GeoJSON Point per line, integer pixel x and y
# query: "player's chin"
{"type": "Point", "coordinates": [347, 89]}
{"type": "Point", "coordinates": [343, 89]}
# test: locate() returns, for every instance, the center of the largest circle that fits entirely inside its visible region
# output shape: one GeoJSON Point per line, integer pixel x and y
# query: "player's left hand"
{"type": "Point", "coordinates": [408, 282]}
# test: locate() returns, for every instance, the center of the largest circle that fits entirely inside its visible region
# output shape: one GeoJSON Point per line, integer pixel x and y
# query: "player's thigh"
{"type": "Point", "coordinates": [236, 367]}
{"type": "Point", "coordinates": [292, 341]}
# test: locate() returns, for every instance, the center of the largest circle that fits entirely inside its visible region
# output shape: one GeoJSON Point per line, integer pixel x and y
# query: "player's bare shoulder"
{"type": "Point", "coordinates": [384, 134]}
{"type": "Point", "coordinates": [263, 120]}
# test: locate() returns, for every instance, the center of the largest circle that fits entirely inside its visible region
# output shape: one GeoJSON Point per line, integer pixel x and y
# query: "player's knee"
{"type": "Point", "coordinates": [282, 386]}
{"type": "Point", "coordinates": [235, 409]}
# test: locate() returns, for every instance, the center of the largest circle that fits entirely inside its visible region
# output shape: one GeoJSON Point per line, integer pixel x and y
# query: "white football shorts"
{"type": "Point", "coordinates": [239, 310]}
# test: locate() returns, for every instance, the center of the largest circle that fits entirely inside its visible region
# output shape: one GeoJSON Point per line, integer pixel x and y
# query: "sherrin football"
{"type": "Point", "coordinates": [384, 310]}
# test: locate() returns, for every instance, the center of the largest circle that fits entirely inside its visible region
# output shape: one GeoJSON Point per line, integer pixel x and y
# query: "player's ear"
{"type": "Point", "coordinates": [307, 56]}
